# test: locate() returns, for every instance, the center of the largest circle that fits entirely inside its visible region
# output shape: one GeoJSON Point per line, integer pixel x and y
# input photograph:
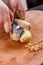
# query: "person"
{"type": "Point", "coordinates": [7, 10]}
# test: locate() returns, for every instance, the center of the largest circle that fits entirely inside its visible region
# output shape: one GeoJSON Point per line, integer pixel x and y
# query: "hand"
{"type": "Point", "coordinates": [17, 4]}
{"type": "Point", "coordinates": [21, 7]}
{"type": "Point", "coordinates": [6, 16]}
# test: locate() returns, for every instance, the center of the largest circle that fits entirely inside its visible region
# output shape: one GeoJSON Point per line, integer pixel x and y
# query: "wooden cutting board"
{"type": "Point", "coordinates": [15, 53]}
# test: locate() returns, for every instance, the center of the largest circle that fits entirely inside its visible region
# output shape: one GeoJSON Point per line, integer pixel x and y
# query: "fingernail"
{"type": "Point", "coordinates": [7, 27]}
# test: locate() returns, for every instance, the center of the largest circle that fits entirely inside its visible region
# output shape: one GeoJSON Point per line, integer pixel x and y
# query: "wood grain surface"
{"type": "Point", "coordinates": [15, 53]}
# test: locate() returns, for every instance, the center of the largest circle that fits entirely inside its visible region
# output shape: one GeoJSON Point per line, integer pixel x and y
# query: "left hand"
{"type": "Point", "coordinates": [15, 4]}
{"type": "Point", "coordinates": [20, 7]}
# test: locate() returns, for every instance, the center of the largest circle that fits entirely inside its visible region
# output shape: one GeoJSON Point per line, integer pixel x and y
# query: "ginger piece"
{"type": "Point", "coordinates": [26, 36]}
{"type": "Point", "coordinates": [14, 36]}
{"type": "Point", "coordinates": [36, 47]}
{"type": "Point", "coordinates": [18, 15]}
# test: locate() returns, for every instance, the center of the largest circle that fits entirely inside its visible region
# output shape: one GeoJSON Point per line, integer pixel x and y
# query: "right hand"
{"type": "Point", "coordinates": [6, 17]}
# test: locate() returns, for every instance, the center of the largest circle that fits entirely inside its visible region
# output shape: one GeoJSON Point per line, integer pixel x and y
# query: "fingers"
{"type": "Point", "coordinates": [7, 22]}
{"type": "Point", "coordinates": [20, 7]}
{"type": "Point", "coordinates": [7, 27]}
{"type": "Point", "coordinates": [6, 17]}
{"type": "Point", "coordinates": [16, 4]}
{"type": "Point", "coordinates": [12, 5]}
{"type": "Point", "coordinates": [11, 15]}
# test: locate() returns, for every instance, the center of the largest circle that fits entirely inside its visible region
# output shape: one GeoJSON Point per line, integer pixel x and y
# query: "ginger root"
{"type": "Point", "coordinates": [26, 36]}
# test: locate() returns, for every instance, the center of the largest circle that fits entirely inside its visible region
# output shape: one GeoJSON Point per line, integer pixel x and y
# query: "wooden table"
{"type": "Point", "coordinates": [15, 53]}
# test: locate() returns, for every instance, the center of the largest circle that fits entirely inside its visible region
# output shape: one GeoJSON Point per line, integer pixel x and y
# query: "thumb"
{"type": "Point", "coordinates": [7, 27]}
{"type": "Point", "coordinates": [7, 24]}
